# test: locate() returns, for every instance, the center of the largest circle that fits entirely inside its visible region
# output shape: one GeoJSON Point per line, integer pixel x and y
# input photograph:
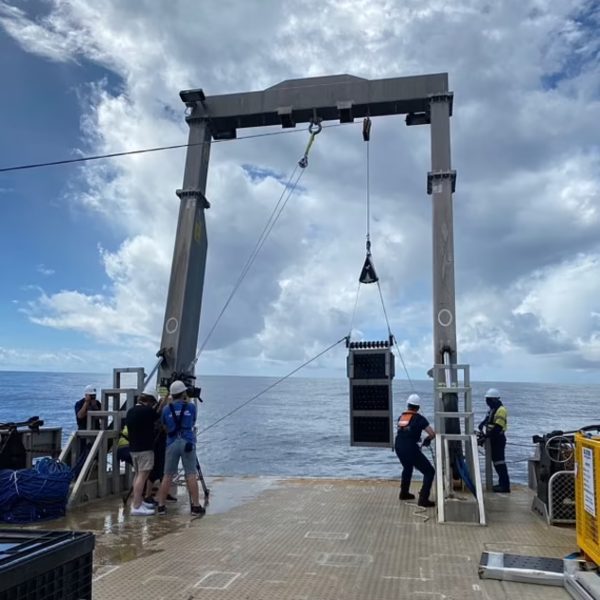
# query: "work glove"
{"type": "Point", "coordinates": [481, 440]}
{"type": "Point", "coordinates": [426, 442]}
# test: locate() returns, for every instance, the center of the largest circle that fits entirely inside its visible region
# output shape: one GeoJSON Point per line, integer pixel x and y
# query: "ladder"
{"type": "Point", "coordinates": [100, 474]}
{"type": "Point", "coordinates": [452, 383]}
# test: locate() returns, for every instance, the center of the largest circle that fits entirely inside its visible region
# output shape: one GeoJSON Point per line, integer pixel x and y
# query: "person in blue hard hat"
{"type": "Point", "coordinates": [411, 425]}
{"type": "Point", "coordinates": [493, 428]}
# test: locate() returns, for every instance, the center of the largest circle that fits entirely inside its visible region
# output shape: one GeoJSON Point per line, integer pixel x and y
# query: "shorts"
{"type": "Point", "coordinates": [176, 451]}
{"type": "Point", "coordinates": [142, 461]}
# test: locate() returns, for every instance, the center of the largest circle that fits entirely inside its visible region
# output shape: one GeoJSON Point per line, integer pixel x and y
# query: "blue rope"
{"type": "Point", "coordinates": [36, 494]}
{"type": "Point", "coordinates": [463, 471]}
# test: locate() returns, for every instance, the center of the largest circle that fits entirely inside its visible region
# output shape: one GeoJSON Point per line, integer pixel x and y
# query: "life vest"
{"type": "Point", "coordinates": [405, 419]}
{"type": "Point", "coordinates": [500, 417]}
{"type": "Point", "coordinates": [124, 438]}
{"type": "Point", "coordinates": [409, 428]}
{"type": "Point", "coordinates": [178, 421]}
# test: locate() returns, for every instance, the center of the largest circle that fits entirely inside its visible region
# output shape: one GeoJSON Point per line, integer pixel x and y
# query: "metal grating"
{"type": "Point", "coordinates": [390, 553]}
{"type": "Point", "coordinates": [371, 429]}
{"type": "Point", "coordinates": [561, 497]}
{"type": "Point", "coordinates": [370, 365]}
{"type": "Point", "coordinates": [370, 397]}
{"type": "Point", "coordinates": [217, 580]}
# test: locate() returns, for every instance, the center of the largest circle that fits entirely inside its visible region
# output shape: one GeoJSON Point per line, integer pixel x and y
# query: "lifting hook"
{"type": "Point", "coordinates": [314, 129]}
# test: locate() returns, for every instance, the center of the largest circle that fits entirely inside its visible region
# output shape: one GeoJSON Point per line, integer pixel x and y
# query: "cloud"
{"type": "Point", "coordinates": [19, 358]}
{"type": "Point", "coordinates": [525, 131]}
{"type": "Point", "coordinates": [37, 37]}
{"type": "Point", "coordinates": [565, 300]}
{"type": "Point", "coordinates": [45, 270]}
{"type": "Point", "coordinates": [95, 359]}
{"type": "Point", "coordinates": [126, 310]}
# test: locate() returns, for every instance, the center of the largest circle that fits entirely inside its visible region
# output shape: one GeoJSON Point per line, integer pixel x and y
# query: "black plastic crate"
{"type": "Point", "coordinates": [46, 565]}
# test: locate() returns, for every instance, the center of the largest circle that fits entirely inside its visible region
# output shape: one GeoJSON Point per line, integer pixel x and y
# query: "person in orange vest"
{"type": "Point", "coordinates": [411, 425]}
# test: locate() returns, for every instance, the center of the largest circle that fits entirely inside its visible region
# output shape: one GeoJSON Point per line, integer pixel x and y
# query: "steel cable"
{"type": "Point", "coordinates": [273, 218]}
{"type": "Point", "coordinates": [68, 161]}
{"type": "Point", "coordinates": [231, 412]}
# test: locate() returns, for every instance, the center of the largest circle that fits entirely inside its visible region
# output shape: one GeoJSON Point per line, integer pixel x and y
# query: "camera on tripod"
{"type": "Point", "coordinates": [194, 392]}
{"type": "Point", "coordinates": [189, 380]}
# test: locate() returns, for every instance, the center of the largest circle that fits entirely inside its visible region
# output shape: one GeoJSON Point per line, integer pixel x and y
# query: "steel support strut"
{"type": "Point", "coordinates": [184, 299]}
{"type": "Point", "coordinates": [440, 184]}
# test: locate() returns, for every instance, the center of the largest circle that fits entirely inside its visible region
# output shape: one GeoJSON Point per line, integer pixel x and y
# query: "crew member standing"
{"type": "Point", "coordinates": [179, 419]}
{"type": "Point", "coordinates": [494, 428]}
{"type": "Point", "coordinates": [411, 425]}
{"type": "Point", "coordinates": [140, 430]}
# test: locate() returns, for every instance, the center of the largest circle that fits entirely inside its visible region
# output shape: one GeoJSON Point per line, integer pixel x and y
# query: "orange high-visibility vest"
{"type": "Point", "coordinates": [406, 418]}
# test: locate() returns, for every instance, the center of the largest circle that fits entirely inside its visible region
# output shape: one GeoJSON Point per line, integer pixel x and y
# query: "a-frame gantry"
{"type": "Point", "coordinates": [424, 99]}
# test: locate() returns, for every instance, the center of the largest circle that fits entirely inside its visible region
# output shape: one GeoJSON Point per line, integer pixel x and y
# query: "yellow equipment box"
{"type": "Point", "coordinates": [587, 494]}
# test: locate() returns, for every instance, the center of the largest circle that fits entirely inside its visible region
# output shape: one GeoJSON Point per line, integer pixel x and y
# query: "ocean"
{"type": "Point", "coordinates": [301, 426]}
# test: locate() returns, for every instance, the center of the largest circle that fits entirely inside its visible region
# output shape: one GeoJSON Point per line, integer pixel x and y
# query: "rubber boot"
{"type": "Point", "coordinates": [425, 502]}
{"type": "Point", "coordinates": [405, 494]}
{"type": "Point", "coordinates": [503, 486]}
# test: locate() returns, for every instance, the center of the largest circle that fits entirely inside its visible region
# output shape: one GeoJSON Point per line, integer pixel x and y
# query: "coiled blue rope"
{"type": "Point", "coordinates": [28, 495]}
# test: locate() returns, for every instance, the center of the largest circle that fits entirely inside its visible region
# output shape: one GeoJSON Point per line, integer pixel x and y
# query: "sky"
{"type": "Point", "coordinates": [87, 248]}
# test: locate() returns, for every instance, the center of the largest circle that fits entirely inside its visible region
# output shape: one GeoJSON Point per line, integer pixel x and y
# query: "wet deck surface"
{"type": "Point", "coordinates": [311, 539]}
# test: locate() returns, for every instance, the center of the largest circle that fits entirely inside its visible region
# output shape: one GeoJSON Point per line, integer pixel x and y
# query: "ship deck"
{"type": "Point", "coordinates": [311, 539]}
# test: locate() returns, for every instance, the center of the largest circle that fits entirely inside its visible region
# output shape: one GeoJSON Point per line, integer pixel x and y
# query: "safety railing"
{"type": "Point", "coordinates": [561, 497]}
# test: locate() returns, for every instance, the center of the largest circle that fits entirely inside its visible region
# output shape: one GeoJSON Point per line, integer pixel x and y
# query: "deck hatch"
{"type": "Point", "coordinates": [217, 580]}
{"type": "Point", "coordinates": [344, 560]}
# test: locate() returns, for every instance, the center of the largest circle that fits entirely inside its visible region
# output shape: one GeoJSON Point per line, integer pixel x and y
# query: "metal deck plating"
{"type": "Point", "coordinates": [312, 539]}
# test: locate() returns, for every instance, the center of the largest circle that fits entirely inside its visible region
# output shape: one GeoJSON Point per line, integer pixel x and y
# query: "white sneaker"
{"type": "Point", "coordinates": [141, 511]}
{"type": "Point", "coordinates": [149, 505]}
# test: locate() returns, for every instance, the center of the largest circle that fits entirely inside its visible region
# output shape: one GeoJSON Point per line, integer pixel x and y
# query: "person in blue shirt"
{"type": "Point", "coordinates": [411, 425]}
{"type": "Point", "coordinates": [179, 419]}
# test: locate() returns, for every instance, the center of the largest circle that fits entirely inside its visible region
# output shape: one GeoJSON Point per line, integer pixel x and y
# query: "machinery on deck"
{"type": "Point", "coordinates": [552, 475]}
{"type": "Point", "coordinates": [22, 442]}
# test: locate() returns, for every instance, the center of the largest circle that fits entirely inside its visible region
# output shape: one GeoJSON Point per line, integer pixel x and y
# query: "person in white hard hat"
{"type": "Point", "coordinates": [179, 418]}
{"type": "Point", "coordinates": [87, 403]}
{"type": "Point", "coordinates": [411, 425]}
{"type": "Point", "coordinates": [493, 428]}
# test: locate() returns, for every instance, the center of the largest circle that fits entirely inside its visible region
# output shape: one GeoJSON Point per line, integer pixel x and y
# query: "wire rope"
{"type": "Point", "coordinates": [271, 221]}
{"type": "Point", "coordinates": [366, 138]}
{"type": "Point", "coordinates": [354, 311]}
{"type": "Point", "coordinates": [68, 161]}
{"type": "Point", "coordinates": [270, 387]}
{"type": "Point", "coordinates": [368, 183]}
{"type": "Point", "coordinates": [392, 337]}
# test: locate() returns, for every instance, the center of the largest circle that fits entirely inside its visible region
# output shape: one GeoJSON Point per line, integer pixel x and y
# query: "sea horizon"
{"type": "Point", "coordinates": [489, 382]}
{"type": "Point", "coordinates": [300, 427]}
